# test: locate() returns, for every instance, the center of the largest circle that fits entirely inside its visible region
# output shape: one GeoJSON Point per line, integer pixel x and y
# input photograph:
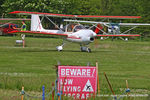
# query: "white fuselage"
{"type": "Point", "coordinates": [83, 36]}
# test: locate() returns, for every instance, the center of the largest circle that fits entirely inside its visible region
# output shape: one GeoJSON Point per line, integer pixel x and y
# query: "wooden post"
{"type": "Point", "coordinates": [127, 86]}
{"type": "Point", "coordinates": [59, 96]}
{"type": "Point", "coordinates": [23, 43]}
{"type": "Point", "coordinates": [61, 92]}
{"type": "Point", "coordinates": [22, 93]}
{"type": "Point", "coordinates": [23, 39]}
{"type": "Point", "coordinates": [53, 92]}
{"type": "Point", "coordinates": [97, 78]}
{"type": "Point", "coordinates": [110, 85]}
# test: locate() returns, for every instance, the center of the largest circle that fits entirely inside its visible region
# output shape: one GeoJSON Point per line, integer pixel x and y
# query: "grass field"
{"type": "Point", "coordinates": [33, 66]}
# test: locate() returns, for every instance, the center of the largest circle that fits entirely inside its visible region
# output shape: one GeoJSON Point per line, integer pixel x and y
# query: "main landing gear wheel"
{"type": "Point", "coordinates": [88, 50]}
{"type": "Point", "coordinates": [85, 49]}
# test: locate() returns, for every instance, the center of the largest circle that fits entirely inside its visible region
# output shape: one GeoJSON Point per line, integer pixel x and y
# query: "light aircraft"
{"type": "Point", "coordinates": [74, 32]}
{"type": "Point", "coordinates": [112, 28]}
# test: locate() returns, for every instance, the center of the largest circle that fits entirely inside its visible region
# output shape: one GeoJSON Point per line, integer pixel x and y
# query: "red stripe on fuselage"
{"type": "Point", "coordinates": [73, 37]}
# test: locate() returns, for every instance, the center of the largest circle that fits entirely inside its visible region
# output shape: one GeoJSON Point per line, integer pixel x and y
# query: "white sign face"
{"type": "Point", "coordinates": [77, 81]}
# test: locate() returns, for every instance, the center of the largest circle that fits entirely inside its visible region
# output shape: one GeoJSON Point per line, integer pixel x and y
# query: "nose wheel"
{"type": "Point", "coordinates": [85, 49]}
{"type": "Point", "coordinates": [60, 48]}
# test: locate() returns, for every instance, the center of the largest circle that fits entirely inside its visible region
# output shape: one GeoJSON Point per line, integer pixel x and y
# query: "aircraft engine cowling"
{"type": "Point", "coordinates": [91, 39]}
{"type": "Point", "coordinates": [88, 39]}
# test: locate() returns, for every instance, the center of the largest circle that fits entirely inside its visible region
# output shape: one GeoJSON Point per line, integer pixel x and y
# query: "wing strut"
{"type": "Point", "coordinates": [53, 23]}
{"type": "Point", "coordinates": [129, 30]}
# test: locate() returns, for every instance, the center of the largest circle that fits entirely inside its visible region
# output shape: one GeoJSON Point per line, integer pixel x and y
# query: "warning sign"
{"type": "Point", "coordinates": [77, 81]}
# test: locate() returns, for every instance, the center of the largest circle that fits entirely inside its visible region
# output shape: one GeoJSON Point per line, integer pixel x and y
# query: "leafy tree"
{"type": "Point", "coordinates": [84, 7]}
{"type": "Point", "coordinates": [1, 8]}
{"type": "Point", "coordinates": [31, 5]}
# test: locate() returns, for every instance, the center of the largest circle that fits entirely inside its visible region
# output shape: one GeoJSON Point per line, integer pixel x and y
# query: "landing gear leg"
{"type": "Point", "coordinates": [85, 49]}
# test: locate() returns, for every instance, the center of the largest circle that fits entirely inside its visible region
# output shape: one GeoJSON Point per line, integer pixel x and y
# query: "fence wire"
{"type": "Point", "coordinates": [28, 96]}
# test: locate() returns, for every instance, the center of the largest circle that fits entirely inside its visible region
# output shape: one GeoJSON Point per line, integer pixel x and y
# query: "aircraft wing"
{"type": "Point", "coordinates": [134, 24]}
{"type": "Point", "coordinates": [13, 19]}
{"type": "Point", "coordinates": [107, 23]}
{"type": "Point", "coordinates": [82, 21]}
{"type": "Point", "coordinates": [119, 35]}
{"type": "Point", "coordinates": [36, 32]}
{"type": "Point", "coordinates": [76, 16]}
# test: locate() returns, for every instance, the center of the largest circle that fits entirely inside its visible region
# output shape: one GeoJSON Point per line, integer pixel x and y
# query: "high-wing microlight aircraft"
{"type": "Point", "coordinates": [74, 32]}
{"type": "Point", "coordinates": [112, 28]}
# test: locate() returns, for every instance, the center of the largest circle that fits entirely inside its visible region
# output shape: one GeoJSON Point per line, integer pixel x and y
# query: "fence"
{"type": "Point", "coordinates": [27, 96]}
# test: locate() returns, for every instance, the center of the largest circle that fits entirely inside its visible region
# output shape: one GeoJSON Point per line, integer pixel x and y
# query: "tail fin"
{"type": "Point", "coordinates": [98, 28]}
{"type": "Point", "coordinates": [36, 23]}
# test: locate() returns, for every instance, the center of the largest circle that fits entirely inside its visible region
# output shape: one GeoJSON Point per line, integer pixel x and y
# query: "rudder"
{"type": "Point", "coordinates": [36, 23]}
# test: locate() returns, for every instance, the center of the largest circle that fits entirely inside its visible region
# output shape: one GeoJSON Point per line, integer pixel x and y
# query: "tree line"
{"type": "Point", "coordinates": [81, 7]}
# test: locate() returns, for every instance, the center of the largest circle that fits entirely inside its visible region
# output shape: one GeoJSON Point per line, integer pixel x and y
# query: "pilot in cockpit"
{"type": "Point", "coordinates": [73, 27]}
{"type": "Point", "coordinates": [78, 27]}
{"type": "Point", "coordinates": [70, 27]}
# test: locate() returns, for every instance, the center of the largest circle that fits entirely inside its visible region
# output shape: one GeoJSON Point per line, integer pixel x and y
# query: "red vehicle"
{"type": "Point", "coordinates": [5, 28]}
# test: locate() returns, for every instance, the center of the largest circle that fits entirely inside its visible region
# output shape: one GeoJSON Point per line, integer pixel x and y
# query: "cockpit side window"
{"type": "Point", "coordinates": [78, 27]}
{"type": "Point", "coordinates": [11, 26]}
{"type": "Point", "coordinates": [6, 26]}
{"type": "Point", "coordinates": [70, 27]}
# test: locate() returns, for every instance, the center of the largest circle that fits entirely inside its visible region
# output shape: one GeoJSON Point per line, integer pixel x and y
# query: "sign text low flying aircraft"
{"type": "Point", "coordinates": [74, 32]}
